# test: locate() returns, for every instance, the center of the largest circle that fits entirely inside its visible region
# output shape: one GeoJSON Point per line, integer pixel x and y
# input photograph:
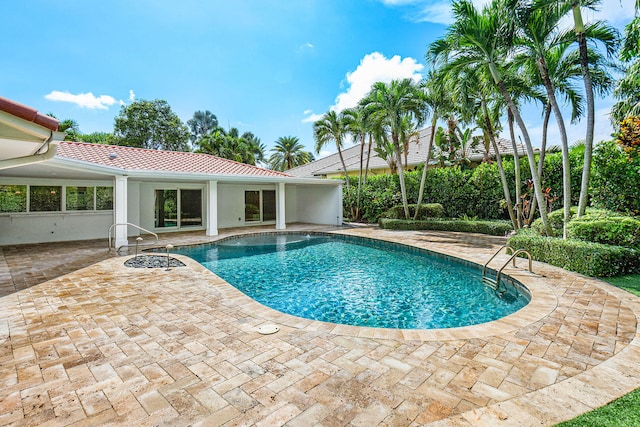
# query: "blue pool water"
{"type": "Point", "coordinates": [356, 281]}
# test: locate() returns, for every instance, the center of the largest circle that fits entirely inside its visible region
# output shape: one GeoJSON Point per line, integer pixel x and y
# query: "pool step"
{"type": "Point", "coordinates": [491, 283]}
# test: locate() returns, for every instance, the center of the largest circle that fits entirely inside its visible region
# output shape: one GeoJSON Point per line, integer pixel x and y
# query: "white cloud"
{"type": "Point", "coordinates": [373, 68]}
{"type": "Point", "coordinates": [82, 100]}
{"type": "Point", "coordinates": [132, 95]}
{"type": "Point", "coordinates": [312, 117]}
{"type": "Point", "coordinates": [324, 153]}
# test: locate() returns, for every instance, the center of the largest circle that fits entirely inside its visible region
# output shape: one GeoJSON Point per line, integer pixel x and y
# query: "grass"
{"type": "Point", "coordinates": [624, 411]}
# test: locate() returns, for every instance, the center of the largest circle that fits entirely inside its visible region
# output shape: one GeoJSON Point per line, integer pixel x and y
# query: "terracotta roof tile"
{"type": "Point", "coordinates": [141, 159]}
{"type": "Point", "coordinates": [27, 113]}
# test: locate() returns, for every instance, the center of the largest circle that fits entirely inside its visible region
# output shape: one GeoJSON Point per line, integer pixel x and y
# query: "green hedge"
{"type": "Point", "coordinates": [494, 228]}
{"type": "Point", "coordinates": [427, 211]}
{"type": "Point", "coordinates": [622, 231]}
{"type": "Point", "coordinates": [590, 259]}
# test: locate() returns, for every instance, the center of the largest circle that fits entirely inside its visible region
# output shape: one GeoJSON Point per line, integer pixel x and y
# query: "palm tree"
{"type": "Point", "coordinates": [202, 123]}
{"type": "Point", "coordinates": [389, 104]}
{"type": "Point", "coordinates": [627, 90]}
{"type": "Point", "coordinates": [483, 39]}
{"type": "Point", "coordinates": [357, 124]}
{"type": "Point", "coordinates": [288, 153]}
{"type": "Point", "coordinates": [331, 127]}
{"type": "Point", "coordinates": [436, 100]}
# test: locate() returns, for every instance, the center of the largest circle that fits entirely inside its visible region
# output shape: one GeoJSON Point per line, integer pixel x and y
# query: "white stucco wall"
{"type": "Point", "coordinates": [291, 210]}
{"type": "Point", "coordinates": [320, 204]}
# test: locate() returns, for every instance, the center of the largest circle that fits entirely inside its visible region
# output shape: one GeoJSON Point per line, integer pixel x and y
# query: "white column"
{"type": "Point", "coordinates": [280, 209]}
{"type": "Point", "coordinates": [120, 210]}
{"type": "Point", "coordinates": [212, 208]}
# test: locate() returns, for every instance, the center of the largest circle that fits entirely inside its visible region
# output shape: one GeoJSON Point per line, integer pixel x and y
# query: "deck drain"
{"type": "Point", "coordinates": [268, 329]}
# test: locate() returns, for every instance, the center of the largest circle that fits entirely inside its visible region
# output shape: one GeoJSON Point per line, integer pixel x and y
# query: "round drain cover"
{"type": "Point", "coordinates": [268, 329]}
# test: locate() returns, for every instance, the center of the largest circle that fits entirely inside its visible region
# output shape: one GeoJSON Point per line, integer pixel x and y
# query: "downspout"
{"type": "Point", "coordinates": [35, 158]}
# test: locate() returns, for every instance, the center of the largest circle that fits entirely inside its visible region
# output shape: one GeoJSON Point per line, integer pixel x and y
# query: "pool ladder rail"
{"type": "Point", "coordinates": [128, 224]}
{"type": "Point", "coordinates": [495, 283]}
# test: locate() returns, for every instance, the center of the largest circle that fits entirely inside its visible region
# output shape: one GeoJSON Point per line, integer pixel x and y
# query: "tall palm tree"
{"type": "Point", "coordinates": [331, 127]}
{"type": "Point", "coordinates": [389, 104]}
{"type": "Point", "coordinates": [627, 90]}
{"type": "Point", "coordinates": [483, 38]}
{"type": "Point", "coordinates": [202, 123]}
{"type": "Point", "coordinates": [288, 153]}
{"type": "Point", "coordinates": [357, 124]}
{"type": "Point", "coordinates": [434, 88]}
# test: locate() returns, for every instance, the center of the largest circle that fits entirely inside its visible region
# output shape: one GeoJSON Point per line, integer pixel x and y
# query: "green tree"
{"type": "Point", "coordinates": [288, 153]}
{"type": "Point", "coordinates": [390, 105]}
{"type": "Point", "coordinates": [97, 138]}
{"type": "Point", "coordinates": [628, 90]}
{"type": "Point", "coordinates": [202, 123]}
{"type": "Point", "coordinates": [332, 127]}
{"type": "Point", "coordinates": [245, 148]}
{"type": "Point", "coordinates": [482, 39]}
{"type": "Point", "coordinates": [150, 124]}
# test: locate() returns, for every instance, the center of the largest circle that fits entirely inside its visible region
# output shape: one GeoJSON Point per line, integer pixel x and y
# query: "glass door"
{"type": "Point", "coordinates": [190, 208]}
{"type": "Point", "coordinates": [268, 205]}
{"type": "Point", "coordinates": [252, 206]}
{"type": "Point", "coordinates": [166, 209]}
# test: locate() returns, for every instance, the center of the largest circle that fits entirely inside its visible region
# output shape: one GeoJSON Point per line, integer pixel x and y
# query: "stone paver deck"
{"type": "Point", "coordinates": [108, 344]}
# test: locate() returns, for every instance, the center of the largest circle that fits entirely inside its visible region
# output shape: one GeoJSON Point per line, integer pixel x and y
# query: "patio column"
{"type": "Point", "coordinates": [120, 210]}
{"type": "Point", "coordinates": [280, 207]}
{"type": "Point", "coordinates": [212, 208]}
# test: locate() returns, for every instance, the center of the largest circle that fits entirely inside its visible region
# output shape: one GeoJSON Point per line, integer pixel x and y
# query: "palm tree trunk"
{"type": "Point", "coordinates": [346, 175]}
{"type": "Point", "coordinates": [543, 150]}
{"type": "Point", "coordinates": [588, 88]}
{"type": "Point", "coordinates": [403, 190]}
{"type": "Point", "coordinates": [566, 167]}
{"type": "Point", "coordinates": [516, 166]}
{"type": "Point", "coordinates": [366, 168]}
{"type": "Point", "coordinates": [423, 179]}
{"type": "Point", "coordinates": [357, 216]}
{"type": "Point", "coordinates": [503, 176]}
{"type": "Point", "coordinates": [527, 140]}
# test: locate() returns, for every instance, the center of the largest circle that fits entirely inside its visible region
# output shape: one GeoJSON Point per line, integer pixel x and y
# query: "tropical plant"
{"type": "Point", "coordinates": [482, 39]}
{"type": "Point", "coordinates": [357, 124]}
{"type": "Point", "coordinates": [332, 128]}
{"type": "Point", "coordinates": [288, 153]}
{"type": "Point", "coordinates": [245, 148]}
{"type": "Point", "coordinates": [389, 106]}
{"type": "Point", "coordinates": [627, 90]}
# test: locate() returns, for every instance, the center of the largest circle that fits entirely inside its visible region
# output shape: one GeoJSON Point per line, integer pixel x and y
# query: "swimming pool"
{"type": "Point", "coordinates": [357, 281]}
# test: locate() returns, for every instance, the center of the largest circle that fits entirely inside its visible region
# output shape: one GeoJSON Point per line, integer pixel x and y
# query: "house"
{"type": "Point", "coordinates": [331, 166]}
{"type": "Point", "coordinates": [54, 190]}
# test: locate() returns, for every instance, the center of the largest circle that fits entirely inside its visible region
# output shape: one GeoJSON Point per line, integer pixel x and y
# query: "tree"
{"type": "Point", "coordinates": [288, 153]}
{"type": "Point", "coordinates": [628, 90]}
{"type": "Point", "coordinates": [202, 123]}
{"type": "Point", "coordinates": [332, 127]}
{"type": "Point", "coordinates": [245, 148]}
{"type": "Point", "coordinates": [150, 124]}
{"type": "Point", "coordinates": [390, 105]}
{"type": "Point", "coordinates": [483, 39]}
{"type": "Point", "coordinates": [97, 138]}
{"type": "Point", "coordinates": [357, 124]}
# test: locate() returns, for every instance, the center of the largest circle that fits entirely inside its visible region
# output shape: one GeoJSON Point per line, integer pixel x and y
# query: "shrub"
{"type": "Point", "coordinates": [429, 210]}
{"type": "Point", "coordinates": [494, 228]}
{"type": "Point", "coordinates": [591, 259]}
{"type": "Point", "coordinates": [615, 179]}
{"type": "Point", "coordinates": [556, 217]}
{"type": "Point", "coordinates": [621, 231]}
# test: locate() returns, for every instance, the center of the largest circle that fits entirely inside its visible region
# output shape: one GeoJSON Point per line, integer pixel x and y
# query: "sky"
{"type": "Point", "coordinates": [270, 67]}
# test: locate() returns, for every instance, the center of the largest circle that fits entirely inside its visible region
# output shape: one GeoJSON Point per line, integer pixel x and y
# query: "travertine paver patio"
{"type": "Point", "coordinates": [113, 345]}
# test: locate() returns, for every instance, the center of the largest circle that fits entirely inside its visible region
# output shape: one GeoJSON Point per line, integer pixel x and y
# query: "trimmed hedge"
{"type": "Point", "coordinates": [427, 211]}
{"type": "Point", "coordinates": [620, 231]}
{"type": "Point", "coordinates": [590, 259]}
{"type": "Point", "coordinates": [494, 228]}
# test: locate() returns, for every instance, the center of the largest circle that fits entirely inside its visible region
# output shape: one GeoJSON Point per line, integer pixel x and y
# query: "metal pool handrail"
{"type": "Point", "coordinates": [128, 224]}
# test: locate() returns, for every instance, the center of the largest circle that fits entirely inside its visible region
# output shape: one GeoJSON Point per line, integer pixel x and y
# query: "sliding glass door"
{"type": "Point", "coordinates": [259, 205]}
{"type": "Point", "coordinates": [178, 208]}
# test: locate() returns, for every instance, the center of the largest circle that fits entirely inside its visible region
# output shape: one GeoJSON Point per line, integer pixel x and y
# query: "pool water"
{"type": "Point", "coordinates": [357, 281]}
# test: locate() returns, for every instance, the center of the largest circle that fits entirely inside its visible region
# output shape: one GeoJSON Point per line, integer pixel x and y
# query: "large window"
{"type": "Point", "coordinates": [13, 198]}
{"type": "Point", "coordinates": [260, 205]}
{"type": "Point", "coordinates": [49, 198]}
{"type": "Point", "coordinates": [178, 208]}
{"type": "Point", "coordinates": [45, 198]}
{"type": "Point", "coordinates": [80, 198]}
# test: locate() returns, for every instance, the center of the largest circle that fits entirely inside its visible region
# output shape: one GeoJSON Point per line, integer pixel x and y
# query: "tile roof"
{"type": "Point", "coordinates": [27, 113]}
{"type": "Point", "coordinates": [416, 156]}
{"type": "Point", "coordinates": [141, 159]}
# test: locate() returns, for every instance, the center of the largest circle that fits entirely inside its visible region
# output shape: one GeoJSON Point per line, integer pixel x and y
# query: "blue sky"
{"type": "Point", "coordinates": [266, 66]}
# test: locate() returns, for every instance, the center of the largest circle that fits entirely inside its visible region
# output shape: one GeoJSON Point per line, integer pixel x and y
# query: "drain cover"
{"type": "Point", "coordinates": [268, 329]}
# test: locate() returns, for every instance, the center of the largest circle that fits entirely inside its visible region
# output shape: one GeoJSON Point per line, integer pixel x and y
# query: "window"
{"type": "Point", "coordinates": [268, 205]}
{"type": "Point", "coordinates": [104, 198]}
{"type": "Point", "coordinates": [79, 198]}
{"type": "Point", "coordinates": [178, 208]}
{"type": "Point", "coordinates": [45, 198]}
{"type": "Point", "coordinates": [13, 198]}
